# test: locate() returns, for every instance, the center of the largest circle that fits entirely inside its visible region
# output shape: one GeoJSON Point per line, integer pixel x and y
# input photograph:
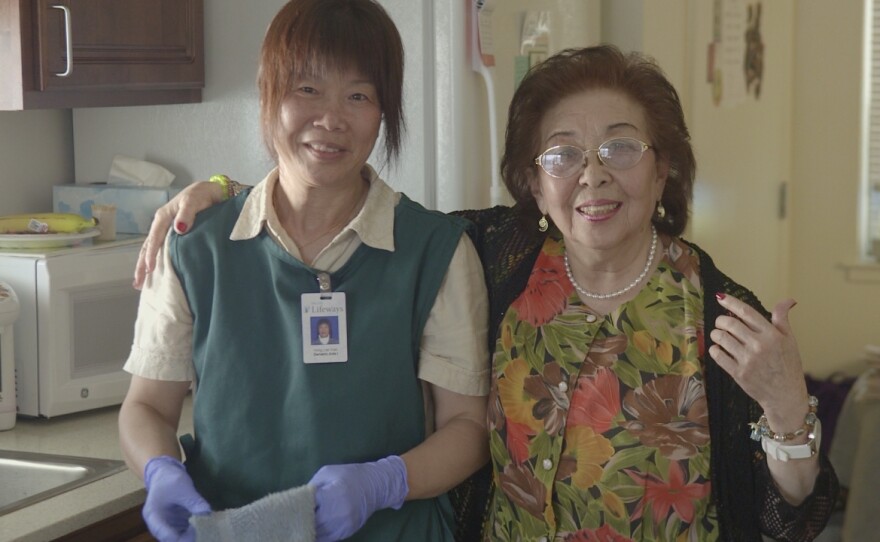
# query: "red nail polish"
{"type": "Point", "coordinates": [720, 295]}
{"type": "Point", "coordinates": [181, 227]}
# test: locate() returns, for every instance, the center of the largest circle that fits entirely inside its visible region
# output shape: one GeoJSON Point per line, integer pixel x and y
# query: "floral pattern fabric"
{"type": "Point", "coordinates": [599, 426]}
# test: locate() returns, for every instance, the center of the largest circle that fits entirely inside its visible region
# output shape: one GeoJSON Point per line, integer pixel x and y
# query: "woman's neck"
{"type": "Point", "coordinates": [606, 272]}
{"type": "Point", "coordinates": [313, 215]}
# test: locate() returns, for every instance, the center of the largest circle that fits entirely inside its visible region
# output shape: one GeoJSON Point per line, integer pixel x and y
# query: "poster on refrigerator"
{"type": "Point", "coordinates": [534, 43]}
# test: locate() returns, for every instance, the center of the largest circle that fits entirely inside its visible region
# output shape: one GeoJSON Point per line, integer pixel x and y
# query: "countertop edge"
{"type": "Point", "coordinates": [76, 509]}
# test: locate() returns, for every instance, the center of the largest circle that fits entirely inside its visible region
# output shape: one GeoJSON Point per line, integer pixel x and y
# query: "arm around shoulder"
{"type": "Point", "coordinates": [180, 213]}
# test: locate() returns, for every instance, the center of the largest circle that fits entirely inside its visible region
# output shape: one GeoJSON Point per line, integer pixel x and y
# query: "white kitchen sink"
{"type": "Point", "coordinates": [27, 478]}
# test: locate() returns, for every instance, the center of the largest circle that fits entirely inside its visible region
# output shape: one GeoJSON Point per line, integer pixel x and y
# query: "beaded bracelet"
{"type": "Point", "coordinates": [761, 428]}
{"type": "Point", "coordinates": [225, 183]}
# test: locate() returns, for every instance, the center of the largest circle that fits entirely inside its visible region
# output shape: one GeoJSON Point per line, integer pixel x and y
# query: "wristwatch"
{"type": "Point", "coordinates": [782, 452]}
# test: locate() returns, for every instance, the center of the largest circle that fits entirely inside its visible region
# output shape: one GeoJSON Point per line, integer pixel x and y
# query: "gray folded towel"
{"type": "Point", "coordinates": [286, 516]}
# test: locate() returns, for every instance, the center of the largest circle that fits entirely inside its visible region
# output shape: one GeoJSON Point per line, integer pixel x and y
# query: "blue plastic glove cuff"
{"type": "Point", "coordinates": [347, 495]}
{"type": "Point", "coordinates": [171, 500]}
{"type": "Point", "coordinates": [398, 487]}
{"type": "Point", "coordinates": [156, 463]}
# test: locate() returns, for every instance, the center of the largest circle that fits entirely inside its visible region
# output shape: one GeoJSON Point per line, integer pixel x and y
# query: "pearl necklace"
{"type": "Point", "coordinates": [622, 291]}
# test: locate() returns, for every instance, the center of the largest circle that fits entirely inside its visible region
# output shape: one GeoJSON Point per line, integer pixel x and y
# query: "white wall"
{"type": "Point", "coordinates": [36, 152]}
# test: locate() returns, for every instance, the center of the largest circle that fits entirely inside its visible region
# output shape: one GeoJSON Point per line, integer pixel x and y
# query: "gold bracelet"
{"type": "Point", "coordinates": [225, 183]}
{"type": "Point", "coordinates": [761, 428]}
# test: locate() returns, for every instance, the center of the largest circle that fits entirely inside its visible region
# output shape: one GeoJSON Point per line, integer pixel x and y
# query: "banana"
{"type": "Point", "coordinates": [46, 223]}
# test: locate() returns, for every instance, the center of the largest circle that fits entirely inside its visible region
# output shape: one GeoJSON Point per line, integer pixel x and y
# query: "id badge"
{"type": "Point", "coordinates": [324, 333]}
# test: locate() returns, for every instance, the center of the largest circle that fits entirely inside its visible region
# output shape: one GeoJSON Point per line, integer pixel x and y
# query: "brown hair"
{"type": "Point", "coordinates": [310, 37]}
{"type": "Point", "coordinates": [606, 67]}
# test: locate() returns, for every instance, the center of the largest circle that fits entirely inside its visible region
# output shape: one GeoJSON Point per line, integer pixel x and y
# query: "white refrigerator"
{"type": "Point", "coordinates": [455, 130]}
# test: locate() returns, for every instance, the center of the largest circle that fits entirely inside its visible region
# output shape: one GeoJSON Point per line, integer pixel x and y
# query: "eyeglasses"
{"type": "Point", "coordinates": [566, 160]}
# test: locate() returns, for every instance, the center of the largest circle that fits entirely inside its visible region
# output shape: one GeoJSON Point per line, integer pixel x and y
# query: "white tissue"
{"type": "Point", "coordinates": [127, 171]}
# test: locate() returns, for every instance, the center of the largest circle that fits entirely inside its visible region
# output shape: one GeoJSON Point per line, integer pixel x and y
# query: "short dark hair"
{"type": "Point", "coordinates": [323, 322]}
{"type": "Point", "coordinates": [602, 67]}
{"type": "Point", "coordinates": [309, 37]}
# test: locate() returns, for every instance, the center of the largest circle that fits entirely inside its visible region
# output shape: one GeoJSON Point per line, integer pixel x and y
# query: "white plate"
{"type": "Point", "coordinates": [45, 240]}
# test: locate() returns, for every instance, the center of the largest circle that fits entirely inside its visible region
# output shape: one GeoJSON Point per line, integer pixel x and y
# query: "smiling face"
{"type": "Point", "coordinates": [317, 36]}
{"type": "Point", "coordinates": [599, 208]}
{"type": "Point", "coordinates": [328, 127]}
{"type": "Point", "coordinates": [323, 330]}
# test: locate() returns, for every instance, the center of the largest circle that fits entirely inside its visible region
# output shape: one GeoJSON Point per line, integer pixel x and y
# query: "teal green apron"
{"type": "Point", "coordinates": [264, 421]}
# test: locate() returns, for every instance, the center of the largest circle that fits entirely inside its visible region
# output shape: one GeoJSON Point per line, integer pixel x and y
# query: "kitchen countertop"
{"type": "Point", "coordinates": [87, 434]}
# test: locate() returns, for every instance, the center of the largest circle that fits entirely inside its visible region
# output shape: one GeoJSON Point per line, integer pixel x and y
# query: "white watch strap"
{"type": "Point", "coordinates": [782, 452]}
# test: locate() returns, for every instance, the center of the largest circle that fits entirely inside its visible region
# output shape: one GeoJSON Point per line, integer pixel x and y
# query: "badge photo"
{"type": "Point", "coordinates": [324, 332]}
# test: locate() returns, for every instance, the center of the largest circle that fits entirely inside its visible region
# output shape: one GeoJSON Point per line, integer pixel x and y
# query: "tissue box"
{"type": "Point", "coordinates": [135, 206]}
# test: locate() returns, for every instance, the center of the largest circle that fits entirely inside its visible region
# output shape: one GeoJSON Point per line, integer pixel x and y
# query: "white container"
{"type": "Point", "coordinates": [8, 315]}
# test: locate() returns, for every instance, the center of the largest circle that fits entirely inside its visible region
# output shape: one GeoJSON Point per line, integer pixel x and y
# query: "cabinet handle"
{"type": "Point", "coordinates": [68, 41]}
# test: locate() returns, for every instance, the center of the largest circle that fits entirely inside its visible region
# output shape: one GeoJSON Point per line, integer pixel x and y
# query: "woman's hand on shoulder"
{"type": "Point", "coordinates": [763, 357]}
{"type": "Point", "coordinates": [180, 211]}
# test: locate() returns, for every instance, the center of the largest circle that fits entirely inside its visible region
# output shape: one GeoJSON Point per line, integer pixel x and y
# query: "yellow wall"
{"type": "Point", "coordinates": [835, 318]}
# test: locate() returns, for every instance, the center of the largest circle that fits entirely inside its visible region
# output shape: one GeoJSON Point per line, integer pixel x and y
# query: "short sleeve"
{"type": "Point", "coordinates": [454, 354]}
{"type": "Point", "coordinates": [162, 347]}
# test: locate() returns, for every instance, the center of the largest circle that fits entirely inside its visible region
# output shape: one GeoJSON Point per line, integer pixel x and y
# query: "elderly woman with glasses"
{"type": "Point", "coordinates": [628, 372]}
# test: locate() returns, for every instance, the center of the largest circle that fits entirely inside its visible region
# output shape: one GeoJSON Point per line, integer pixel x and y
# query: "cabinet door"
{"type": "Point", "coordinates": [116, 50]}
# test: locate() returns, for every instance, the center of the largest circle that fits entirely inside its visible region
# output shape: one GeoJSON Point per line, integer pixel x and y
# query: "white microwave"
{"type": "Point", "coordinates": [75, 326]}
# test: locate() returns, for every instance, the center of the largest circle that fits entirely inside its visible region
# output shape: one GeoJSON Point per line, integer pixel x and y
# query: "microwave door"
{"type": "Point", "coordinates": [86, 311]}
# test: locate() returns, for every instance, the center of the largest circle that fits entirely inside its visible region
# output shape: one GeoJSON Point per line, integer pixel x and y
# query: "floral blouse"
{"type": "Point", "coordinates": [599, 426]}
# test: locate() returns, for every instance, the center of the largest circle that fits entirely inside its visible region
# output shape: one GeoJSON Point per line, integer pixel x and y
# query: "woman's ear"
{"type": "Point", "coordinates": [535, 188]}
{"type": "Point", "coordinates": [663, 169]}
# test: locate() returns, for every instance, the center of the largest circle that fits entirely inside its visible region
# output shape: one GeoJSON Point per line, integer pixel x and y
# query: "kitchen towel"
{"type": "Point", "coordinates": [287, 516]}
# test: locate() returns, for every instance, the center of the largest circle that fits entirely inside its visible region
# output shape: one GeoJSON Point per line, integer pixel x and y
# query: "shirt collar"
{"type": "Point", "coordinates": [374, 224]}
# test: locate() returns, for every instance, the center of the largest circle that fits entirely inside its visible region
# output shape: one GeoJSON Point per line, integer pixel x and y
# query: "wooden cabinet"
{"type": "Point", "coordinates": [95, 53]}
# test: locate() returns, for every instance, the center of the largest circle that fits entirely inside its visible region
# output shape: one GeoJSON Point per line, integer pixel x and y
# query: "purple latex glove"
{"type": "Point", "coordinates": [347, 495]}
{"type": "Point", "coordinates": [171, 500]}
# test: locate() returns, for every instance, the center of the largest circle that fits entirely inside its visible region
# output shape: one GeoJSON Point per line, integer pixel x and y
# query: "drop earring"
{"type": "Point", "coordinates": [543, 225]}
{"type": "Point", "coordinates": [661, 211]}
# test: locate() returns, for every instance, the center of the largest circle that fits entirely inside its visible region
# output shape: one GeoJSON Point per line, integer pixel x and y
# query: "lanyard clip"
{"type": "Point", "coordinates": [324, 285]}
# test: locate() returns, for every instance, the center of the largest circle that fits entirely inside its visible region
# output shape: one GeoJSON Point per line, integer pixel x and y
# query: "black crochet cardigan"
{"type": "Point", "coordinates": [747, 500]}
